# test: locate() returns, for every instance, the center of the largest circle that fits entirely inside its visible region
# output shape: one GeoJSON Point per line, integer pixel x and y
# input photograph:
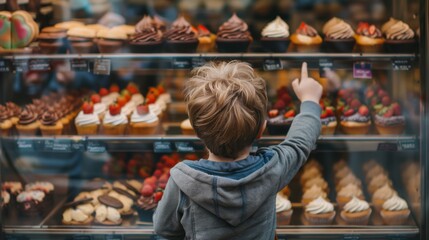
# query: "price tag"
{"type": "Point", "coordinates": [181, 63]}
{"type": "Point", "coordinates": [82, 237]}
{"type": "Point", "coordinates": [387, 147]}
{"type": "Point", "coordinates": [39, 65]}
{"type": "Point", "coordinates": [198, 62]}
{"type": "Point", "coordinates": [102, 66]}
{"type": "Point", "coordinates": [20, 65]}
{"type": "Point", "coordinates": [162, 147]}
{"type": "Point", "coordinates": [362, 70]}
{"type": "Point", "coordinates": [272, 64]}
{"type": "Point", "coordinates": [114, 237]}
{"type": "Point", "coordinates": [401, 64]}
{"type": "Point", "coordinates": [78, 146]}
{"type": "Point", "coordinates": [79, 65]}
{"type": "Point", "coordinates": [5, 65]}
{"type": "Point", "coordinates": [408, 145]}
{"type": "Point", "coordinates": [95, 147]}
{"type": "Point", "coordinates": [61, 145]}
{"type": "Point", "coordinates": [25, 145]}
{"type": "Point", "coordinates": [184, 147]}
{"type": "Point", "coordinates": [325, 64]}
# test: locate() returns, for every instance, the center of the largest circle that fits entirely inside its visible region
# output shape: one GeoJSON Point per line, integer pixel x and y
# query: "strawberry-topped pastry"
{"type": "Point", "coordinates": [374, 95]}
{"type": "Point", "coordinates": [143, 121]}
{"type": "Point", "coordinates": [136, 97]}
{"type": "Point", "coordinates": [206, 39]}
{"type": "Point", "coordinates": [163, 95]}
{"type": "Point", "coordinates": [115, 122]}
{"type": "Point", "coordinates": [327, 117]}
{"type": "Point", "coordinates": [281, 114]}
{"type": "Point", "coordinates": [355, 118]}
{"type": "Point", "coordinates": [152, 100]}
{"type": "Point", "coordinates": [344, 96]}
{"type": "Point", "coordinates": [306, 39]}
{"type": "Point", "coordinates": [126, 103]}
{"type": "Point", "coordinates": [388, 117]}
{"type": "Point", "coordinates": [99, 107]}
{"type": "Point", "coordinates": [109, 95]}
{"type": "Point", "coordinates": [369, 38]}
{"type": "Point", "coordinates": [87, 122]}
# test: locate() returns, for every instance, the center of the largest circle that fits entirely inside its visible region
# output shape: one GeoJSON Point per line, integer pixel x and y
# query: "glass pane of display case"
{"type": "Point", "coordinates": [92, 112]}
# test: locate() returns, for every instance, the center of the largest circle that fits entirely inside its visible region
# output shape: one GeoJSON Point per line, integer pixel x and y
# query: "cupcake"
{"type": "Point", "coordinates": [5, 122]}
{"type": "Point", "coordinates": [53, 40]}
{"type": "Point", "coordinates": [147, 38]}
{"type": "Point", "coordinates": [158, 23]}
{"type": "Point", "coordinates": [187, 128]}
{"type": "Point", "coordinates": [369, 38]}
{"type": "Point", "coordinates": [318, 181]}
{"type": "Point", "coordinates": [356, 212]}
{"type": "Point", "coordinates": [377, 182]}
{"type": "Point", "coordinates": [400, 38]}
{"type": "Point", "coordinates": [129, 30]}
{"type": "Point", "coordinates": [340, 164]}
{"type": "Point", "coordinates": [311, 194]}
{"type": "Point", "coordinates": [30, 203]}
{"type": "Point", "coordinates": [16, 112]}
{"type": "Point", "coordinates": [388, 118]}
{"type": "Point", "coordinates": [319, 212]}
{"type": "Point", "coordinates": [306, 39]}
{"type": "Point", "coordinates": [395, 211]}
{"type": "Point", "coordinates": [181, 37]}
{"type": "Point", "coordinates": [50, 124]}
{"type": "Point", "coordinates": [111, 41]}
{"type": "Point", "coordinates": [355, 118]}
{"type": "Point", "coordinates": [87, 122]}
{"type": "Point", "coordinates": [81, 39]}
{"type": "Point", "coordinates": [283, 210]}
{"type": "Point", "coordinates": [275, 36]}
{"type": "Point", "coordinates": [342, 173]}
{"type": "Point", "coordinates": [309, 173]}
{"type": "Point", "coordinates": [233, 36]}
{"type": "Point", "coordinates": [374, 171]}
{"type": "Point", "coordinates": [346, 193]}
{"type": "Point", "coordinates": [348, 179]}
{"type": "Point", "coordinates": [206, 39]}
{"type": "Point", "coordinates": [339, 36]}
{"type": "Point", "coordinates": [381, 195]}
{"type": "Point", "coordinates": [78, 212]}
{"type": "Point", "coordinates": [114, 122]}
{"type": "Point", "coordinates": [28, 123]}
{"type": "Point", "coordinates": [143, 121]}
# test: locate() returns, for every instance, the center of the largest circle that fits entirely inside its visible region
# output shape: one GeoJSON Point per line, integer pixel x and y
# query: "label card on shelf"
{"type": "Point", "coordinates": [58, 145]}
{"type": "Point", "coordinates": [114, 237]}
{"type": "Point", "coordinates": [362, 70]}
{"type": "Point", "coordinates": [79, 65]}
{"type": "Point", "coordinates": [5, 65]}
{"type": "Point", "coordinates": [387, 147]}
{"type": "Point", "coordinates": [324, 65]}
{"type": "Point", "coordinates": [20, 65]}
{"type": "Point", "coordinates": [25, 145]}
{"type": "Point", "coordinates": [95, 147]}
{"type": "Point", "coordinates": [272, 64]}
{"type": "Point", "coordinates": [78, 146]}
{"type": "Point", "coordinates": [198, 62]}
{"type": "Point", "coordinates": [39, 65]}
{"type": "Point", "coordinates": [162, 147]}
{"type": "Point", "coordinates": [401, 64]}
{"type": "Point", "coordinates": [185, 147]}
{"type": "Point", "coordinates": [408, 145]}
{"type": "Point", "coordinates": [102, 66]}
{"type": "Point", "coordinates": [181, 63]}
{"type": "Point", "coordinates": [82, 237]}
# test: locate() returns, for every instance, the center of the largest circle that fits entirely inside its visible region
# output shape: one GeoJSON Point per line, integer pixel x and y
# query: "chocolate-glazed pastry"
{"type": "Point", "coordinates": [181, 37]}
{"type": "Point", "coordinates": [147, 38]}
{"type": "Point", "coordinates": [233, 36]}
{"type": "Point", "coordinates": [16, 111]}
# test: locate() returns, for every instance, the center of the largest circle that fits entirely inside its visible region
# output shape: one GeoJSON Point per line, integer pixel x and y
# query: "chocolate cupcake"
{"type": "Point", "coordinates": [181, 37]}
{"type": "Point", "coordinates": [275, 36]}
{"type": "Point", "coordinates": [53, 40]}
{"type": "Point", "coordinates": [400, 38]}
{"type": "Point", "coordinates": [28, 123]}
{"type": "Point", "coordinates": [339, 36]}
{"type": "Point", "coordinates": [233, 36]}
{"type": "Point", "coordinates": [148, 38]}
{"type": "Point", "coordinates": [50, 124]}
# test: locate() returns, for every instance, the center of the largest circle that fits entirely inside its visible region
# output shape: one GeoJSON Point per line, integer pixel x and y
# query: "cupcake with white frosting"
{"type": "Point", "coordinates": [395, 211]}
{"type": "Point", "coordinates": [381, 195]}
{"type": "Point", "coordinates": [87, 121]}
{"type": "Point", "coordinates": [115, 122]}
{"type": "Point", "coordinates": [347, 193]}
{"type": "Point", "coordinates": [275, 36]}
{"type": "Point", "coordinates": [143, 121]}
{"type": "Point", "coordinates": [312, 193]}
{"type": "Point", "coordinates": [283, 210]}
{"type": "Point", "coordinates": [356, 212]}
{"type": "Point", "coordinates": [319, 212]}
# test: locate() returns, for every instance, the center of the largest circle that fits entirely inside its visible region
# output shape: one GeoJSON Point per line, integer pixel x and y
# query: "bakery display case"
{"type": "Point", "coordinates": [92, 114]}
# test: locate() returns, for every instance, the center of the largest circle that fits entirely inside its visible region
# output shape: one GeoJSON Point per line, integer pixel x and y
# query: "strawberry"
{"type": "Point", "coordinates": [369, 94]}
{"type": "Point", "coordinates": [157, 173]}
{"type": "Point", "coordinates": [114, 88]}
{"type": "Point", "coordinates": [349, 112]}
{"type": "Point", "coordinates": [355, 103]}
{"type": "Point", "coordinates": [323, 114]}
{"type": "Point", "coordinates": [388, 113]}
{"type": "Point", "coordinates": [202, 30]}
{"type": "Point", "coordinates": [286, 98]}
{"type": "Point", "coordinates": [142, 109]}
{"type": "Point", "coordinates": [279, 105]}
{"type": "Point", "coordinates": [396, 109]}
{"type": "Point", "coordinates": [88, 107]}
{"type": "Point", "coordinates": [143, 173]}
{"type": "Point", "coordinates": [363, 110]}
{"type": "Point", "coordinates": [386, 101]}
{"type": "Point", "coordinates": [114, 109]}
{"type": "Point", "coordinates": [290, 113]}
{"type": "Point", "coordinates": [381, 93]}
{"type": "Point", "coordinates": [302, 26]}
{"type": "Point", "coordinates": [154, 91]}
{"type": "Point", "coordinates": [161, 89]}
{"type": "Point", "coordinates": [126, 94]}
{"type": "Point", "coordinates": [150, 98]}
{"type": "Point", "coordinates": [162, 185]}
{"type": "Point", "coordinates": [147, 190]}
{"type": "Point", "coordinates": [103, 92]}
{"type": "Point", "coordinates": [372, 29]}
{"type": "Point", "coordinates": [157, 197]}
{"type": "Point", "coordinates": [330, 111]}
{"type": "Point", "coordinates": [273, 113]}
{"type": "Point", "coordinates": [95, 98]}
{"type": "Point", "coordinates": [132, 88]}
{"type": "Point", "coordinates": [342, 93]}
{"type": "Point", "coordinates": [121, 101]}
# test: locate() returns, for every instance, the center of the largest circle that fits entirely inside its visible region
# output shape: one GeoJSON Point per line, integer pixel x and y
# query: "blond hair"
{"type": "Point", "coordinates": [226, 103]}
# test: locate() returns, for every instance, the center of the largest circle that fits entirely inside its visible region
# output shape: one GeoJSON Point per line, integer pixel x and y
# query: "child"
{"type": "Point", "coordinates": [232, 194]}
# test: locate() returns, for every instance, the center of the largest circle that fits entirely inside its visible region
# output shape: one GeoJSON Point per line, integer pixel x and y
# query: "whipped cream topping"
{"type": "Point", "coordinates": [149, 117]}
{"type": "Point", "coordinates": [161, 104]}
{"type": "Point", "coordinates": [351, 190]}
{"type": "Point", "coordinates": [276, 29]}
{"type": "Point", "coordinates": [99, 108]}
{"type": "Point", "coordinates": [282, 203]}
{"type": "Point", "coordinates": [338, 29]}
{"type": "Point", "coordinates": [155, 109]}
{"type": "Point", "coordinates": [318, 206]}
{"type": "Point", "coordinates": [128, 108]}
{"type": "Point", "coordinates": [356, 205]}
{"type": "Point", "coordinates": [314, 192]}
{"type": "Point", "coordinates": [395, 203]}
{"type": "Point", "coordinates": [397, 30]}
{"type": "Point", "coordinates": [116, 119]}
{"type": "Point", "coordinates": [137, 98]}
{"type": "Point", "coordinates": [385, 192]}
{"type": "Point", "coordinates": [86, 119]}
{"type": "Point", "coordinates": [166, 97]}
{"type": "Point", "coordinates": [35, 195]}
{"type": "Point", "coordinates": [390, 121]}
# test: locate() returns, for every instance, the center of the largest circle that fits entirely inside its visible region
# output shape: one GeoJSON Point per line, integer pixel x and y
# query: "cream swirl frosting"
{"type": "Point", "coordinates": [99, 108]}
{"type": "Point", "coordinates": [314, 192]}
{"type": "Point", "coordinates": [318, 206]}
{"type": "Point", "coordinates": [31, 195]}
{"type": "Point", "coordinates": [282, 203]}
{"type": "Point", "coordinates": [338, 29]}
{"type": "Point", "coordinates": [395, 203]}
{"type": "Point", "coordinates": [137, 98]}
{"type": "Point", "coordinates": [397, 30]}
{"type": "Point", "coordinates": [385, 192]}
{"type": "Point", "coordinates": [155, 109]}
{"type": "Point", "coordinates": [115, 119]}
{"type": "Point", "coordinates": [350, 190]}
{"type": "Point", "coordinates": [276, 29]}
{"type": "Point", "coordinates": [356, 205]}
{"type": "Point", "coordinates": [86, 119]}
{"type": "Point", "coordinates": [128, 108]}
{"type": "Point", "coordinates": [149, 117]}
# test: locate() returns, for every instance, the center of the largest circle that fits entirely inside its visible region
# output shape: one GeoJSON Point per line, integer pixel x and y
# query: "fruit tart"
{"type": "Point", "coordinates": [280, 120]}
{"type": "Point", "coordinates": [327, 117]}
{"type": "Point", "coordinates": [388, 117]}
{"type": "Point", "coordinates": [306, 39]}
{"type": "Point", "coordinates": [355, 118]}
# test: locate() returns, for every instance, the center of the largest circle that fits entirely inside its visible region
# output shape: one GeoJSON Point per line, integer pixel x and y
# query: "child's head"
{"type": "Point", "coordinates": [226, 104]}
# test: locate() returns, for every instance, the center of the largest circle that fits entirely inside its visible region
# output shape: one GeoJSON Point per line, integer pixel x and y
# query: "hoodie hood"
{"type": "Point", "coordinates": [232, 200]}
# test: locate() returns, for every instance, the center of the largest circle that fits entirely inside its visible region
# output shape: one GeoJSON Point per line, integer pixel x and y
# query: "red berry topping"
{"type": "Point", "coordinates": [386, 101]}
{"type": "Point", "coordinates": [103, 92]}
{"type": "Point", "coordinates": [363, 110]}
{"type": "Point", "coordinates": [114, 109]}
{"type": "Point", "coordinates": [349, 112]}
{"type": "Point", "coordinates": [273, 113]}
{"type": "Point", "coordinates": [114, 88]}
{"type": "Point", "coordinates": [88, 107]}
{"type": "Point", "coordinates": [289, 114]}
{"type": "Point", "coordinates": [157, 197]}
{"type": "Point", "coordinates": [95, 98]}
{"type": "Point", "coordinates": [142, 109]}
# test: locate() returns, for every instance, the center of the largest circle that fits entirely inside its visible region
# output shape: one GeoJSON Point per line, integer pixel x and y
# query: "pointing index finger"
{"type": "Point", "coordinates": [304, 71]}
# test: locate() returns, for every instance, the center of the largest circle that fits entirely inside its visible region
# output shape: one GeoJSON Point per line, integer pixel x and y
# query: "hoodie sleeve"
{"type": "Point", "coordinates": [300, 141]}
{"type": "Point", "coordinates": [166, 219]}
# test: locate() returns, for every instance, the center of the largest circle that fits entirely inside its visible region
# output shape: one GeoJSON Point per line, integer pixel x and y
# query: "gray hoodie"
{"type": "Point", "coordinates": [200, 203]}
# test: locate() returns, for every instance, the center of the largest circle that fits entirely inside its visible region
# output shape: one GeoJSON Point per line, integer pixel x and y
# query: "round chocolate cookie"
{"type": "Point", "coordinates": [129, 186]}
{"type": "Point", "coordinates": [125, 193]}
{"type": "Point", "coordinates": [77, 203]}
{"type": "Point", "coordinates": [110, 201]}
